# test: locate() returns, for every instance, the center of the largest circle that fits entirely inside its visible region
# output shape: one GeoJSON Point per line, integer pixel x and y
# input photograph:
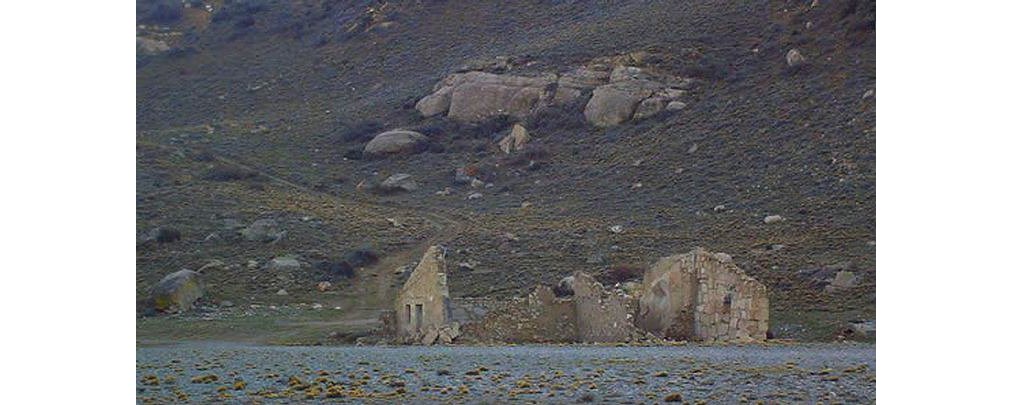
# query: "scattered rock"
{"type": "Point", "coordinates": [283, 264]}
{"type": "Point", "coordinates": [516, 140]}
{"type": "Point", "coordinates": [399, 182]}
{"type": "Point", "coordinates": [842, 281]}
{"type": "Point", "coordinates": [773, 219]}
{"type": "Point", "coordinates": [152, 46]}
{"type": "Point", "coordinates": [282, 292]}
{"type": "Point", "coordinates": [474, 196]}
{"type": "Point", "coordinates": [675, 106]}
{"type": "Point", "coordinates": [162, 234]}
{"type": "Point", "coordinates": [466, 174]}
{"type": "Point", "coordinates": [396, 142]}
{"type": "Point", "coordinates": [795, 58]}
{"type": "Point", "coordinates": [719, 208]}
{"type": "Point", "coordinates": [862, 328]}
{"type": "Point", "coordinates": [263, 230]}
{"type": "Point", "coordinates": [693, 148]}
{"type": "Point", "coordinates": [227, 304]}
{"type": "Point", "coordinates": [868, 94]}
{"type": "Point", "coordinates": [430, 336]}
{"type": "Point", "coordinates": [323, 286]}
{"type": "Point", "coordinates": [673, 397]}
{"type": "Point", "coordinates": [616, 229]}
{"type": "Point", "coordinates": [214, 264]}
{"type": "Point", "coordinates": [177, 291]}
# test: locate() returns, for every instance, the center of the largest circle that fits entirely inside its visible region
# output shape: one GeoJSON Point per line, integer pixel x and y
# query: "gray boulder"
{"type": "Point", "coordinates": [177, 291]}
{"type": "Point", "coordinates": [436, 103]}
{"type": "Point", "coordinates": [262, 230]}
{"type": "Point", "coordinates": [399, 182]}
{"type": "Point", "coordinates": [615, 103]}
{"type": "Point", "coordinates": [396, 142]}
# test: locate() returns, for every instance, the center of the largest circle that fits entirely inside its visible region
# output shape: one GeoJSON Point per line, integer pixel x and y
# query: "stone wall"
{"type": "Point", "coordinates": [540, 317]}
{"type": "Point", "coordinates": [593, 314]}
{"type": "Point", "coordinates": [601, 316]}
{"type": "Point", "coordinates": [702, 296]}
{"type": "Point", "coordinates": [423, 301]}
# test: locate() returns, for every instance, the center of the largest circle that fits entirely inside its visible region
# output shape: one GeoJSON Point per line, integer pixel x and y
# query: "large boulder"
{"type": "Point", "coordinates": [615, 103]}
{"type": "Point", "coordinates": [487, 95]}
{"type": "Point", "coordinates": [436, 103]}
{"type": "Point", "coordinates": [177, 291]}
{"type": "Point", "coordinates": [262, 230]}
{"type": "Point", "coordinates": [396, 142]}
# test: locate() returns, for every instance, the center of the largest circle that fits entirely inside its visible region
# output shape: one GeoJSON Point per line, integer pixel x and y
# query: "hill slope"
{"type": "Point", "coordinates": [254, 111]}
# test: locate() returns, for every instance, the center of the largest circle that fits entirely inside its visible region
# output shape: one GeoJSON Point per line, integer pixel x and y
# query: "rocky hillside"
{"type": "Point", "coordinates": [253, 119]}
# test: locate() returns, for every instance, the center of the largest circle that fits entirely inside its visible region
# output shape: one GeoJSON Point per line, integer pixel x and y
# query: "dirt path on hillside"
{"type": "Point", "coordinates": [374, 286]}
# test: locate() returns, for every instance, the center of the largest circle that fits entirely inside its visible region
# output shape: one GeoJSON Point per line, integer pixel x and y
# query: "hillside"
{"type": "Point", "coordinates": [260, 110]}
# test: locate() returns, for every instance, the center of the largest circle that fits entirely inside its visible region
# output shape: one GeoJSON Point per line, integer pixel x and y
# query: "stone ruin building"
{"type": "Point", "coordinates": [702, 296]}
{"type": "Point", "coordinates": [422, 307]}
{"type": "Point", "coordinates": [698, 296]}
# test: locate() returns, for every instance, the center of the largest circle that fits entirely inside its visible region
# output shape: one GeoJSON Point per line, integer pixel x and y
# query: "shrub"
{"type": "Point", "coordinates": [361, 131]}
{"type": "Point", "coordinates": [336, 270]}
{"type": "Point", "coordinates": [533, 155]}
{"type": "Point", "coordinates": [162, 11]}
{"type": "Point", "coordinates": [621, 274]}
{"type": "Point", "coordinates": [228, 172]}
{"type": "Point", "coordinates": [559, 117]}
{"type": "Point", "coordinates": [361, 257]}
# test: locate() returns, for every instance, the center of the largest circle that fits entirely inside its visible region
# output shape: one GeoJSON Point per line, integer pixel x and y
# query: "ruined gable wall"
{"type": "Point", "coordinates": [731, 305]}
{"type": "Point", "coordinates": [702, 296]}
{"type": "Point", "coordinates": [426, 286]}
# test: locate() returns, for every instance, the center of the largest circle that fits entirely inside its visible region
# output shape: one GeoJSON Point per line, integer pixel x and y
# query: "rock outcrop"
{"type": "Point", "coordinates": [177, 291]}
{"type": "Point", "coordinates": [396, 142]}
{"type": "Point", "coordinates": [620, 93]}
{"type": "Point", "coordinates": [633, 93]}
{"type": "Point", "coordinates": [702, 296]}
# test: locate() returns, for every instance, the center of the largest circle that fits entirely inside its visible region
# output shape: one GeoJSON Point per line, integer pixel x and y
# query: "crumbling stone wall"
{"type": "Point", "coordinates": [702, 296]}
{"type": "Point", "coordinates": [540, 317]}
{"type": "Point", "coordinates": [423, 301]}
{"type": "Point", "coordinates": [592, 314]}
{"type": "Point", "coordinates": [601, 316]}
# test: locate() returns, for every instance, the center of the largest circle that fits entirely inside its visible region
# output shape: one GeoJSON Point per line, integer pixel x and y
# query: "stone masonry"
{"type": "Point", "coordinates": [702, 296]}
{"type": "Point", "coordinates": [422, 304]}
